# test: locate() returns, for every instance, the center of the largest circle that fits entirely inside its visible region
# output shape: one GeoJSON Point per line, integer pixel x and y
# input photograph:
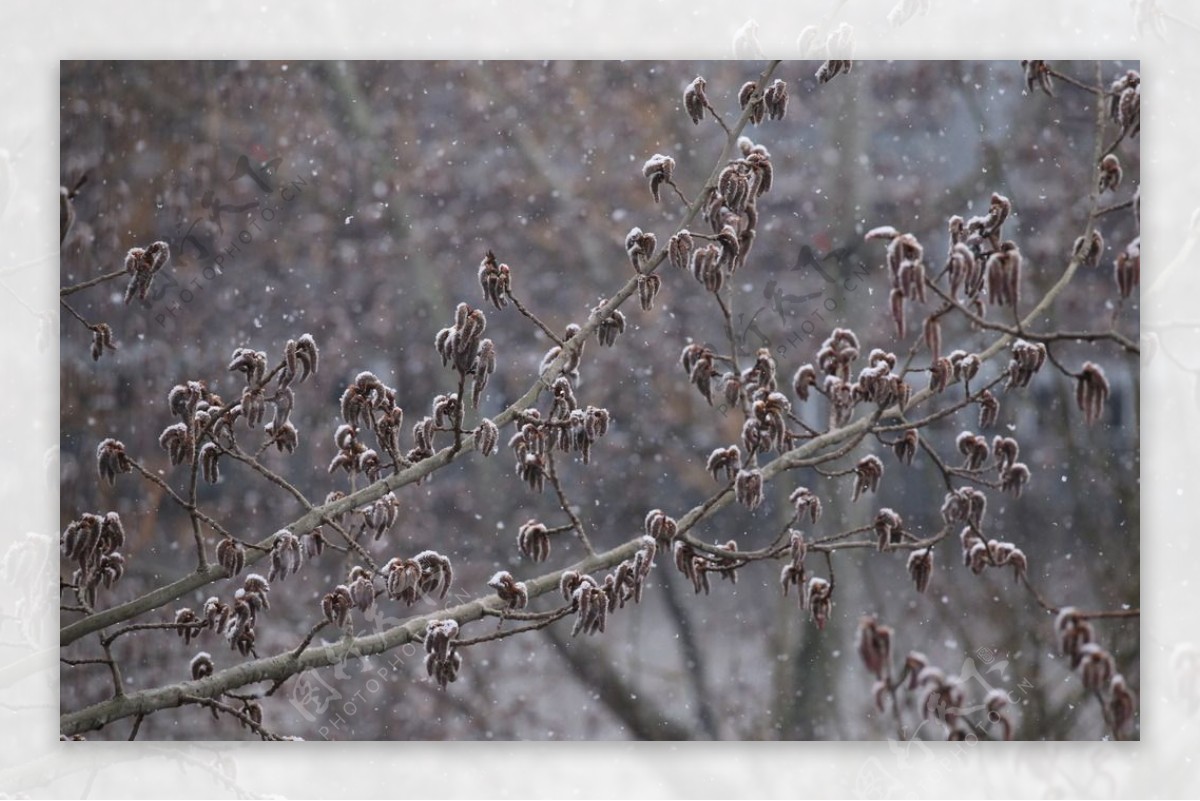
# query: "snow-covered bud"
{"type": "Point", "coordinates": [920, 567]}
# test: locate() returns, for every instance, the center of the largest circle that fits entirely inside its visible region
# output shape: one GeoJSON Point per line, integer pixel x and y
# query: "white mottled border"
{"type": "Point", "coordinates": [34, 36]}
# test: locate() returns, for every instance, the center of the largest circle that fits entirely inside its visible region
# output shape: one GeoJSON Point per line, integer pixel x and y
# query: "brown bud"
{"type": "Point", "coordinates": [868, 472]}
{"type": "Point", "coordinates": [1003, 275]}
{"type": "Point", "coordinates": [974, 448]}
{"type": "Point", "coordinates": [1127, 270]}
{"type": "Point", "coordinates": [1027, 359]}
{"type": "Point", "coordinates": [1121, 703]}
{"type": "Point", "coordinates": [514, 594]}
{"type": "Point", "coordinates": [694, 100]}
{"type": "Point", "coordinates": [202, 666]}
{"type": "Point", "coordinates": [933, 336]}
{"type": "Point", "coordinates": [906, 447]}
{"type": "Point", "coordinates": [679, 249]}
{"type": "Point", "coordinates": [487, 435]}
{"type": "Point", "coordinates": [1073, 633]}
{"type": "Point", "coordinates": [533, 541]}
{"type": "Point", "coordinates": [1088, 251]}
{"type": "Point", "coordinates": [726, 460]}
{"type": "Point", "coordinates": [806, 502]}
{"type": "Point", "coordinates": [1013, 478]}
{"type": "Point", "coordinates": [889, 528]}
{"type": "Point", "coordinates": [112, 460]}
{"type": "Point", "coordinates": [832, 68]}
{"type": "Point", "coordinates": [231, 556]}
{"type": "Point", "coordinates": [749, 488]}
{"type": "Point", "coordinates": [658, 168]}
{"type": "Point", "coordinates": [920, 567]}
{"type": "Point", "coordinates": [875, 645]}
{"type": "Point", "coordinates": [819, 600]}
{"type": "Point", "coordinates": [1095, 667]}
{"type": "Point", "coordinates": [648, 287]}
{"type": "Point", "coordinates": [776, 99]}
{"type": "Point", "coordinates": [1091, 392]}
{"type": "Point", "coordinates": [897, 307]}
{"type": "Point", "coordinates": [1037, 73]}
{"type": "Point", "coordinates": [495, 280]}
{"type": "Point", "coordinates": [610, 327]}
{"type": "Point", "coordinates": [660, 527]}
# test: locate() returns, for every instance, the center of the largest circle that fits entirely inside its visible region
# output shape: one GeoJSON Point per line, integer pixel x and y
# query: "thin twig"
{"type": "Point", "coordinates": [309, 638]}
{"type": "Point", "coordinates": [1111, 613]}
{"type": "Point", "coordinates": [1115, 207]}
{"type": "Point", "coordinates": [1067, 79]}
{"type": "Point", "coordinates": [79, 662]}
{"type": "Point", "coordinates": [728, 315]}
{"type": "Point", "coordinates": [679, 193]}
{"type": "Point", "coordinates": [533, 318]}
{"type": "Point", "coordinates": [242, 717]}
{"type": "Point", "coordinates": [197, 625]}
{"type": "Point", "coordinates": [1021, 331]}
{"type": "Point", "coordinates": [213, 524]}
{"type": "Point", "coordinates": [552, 475]}
{"type": "Point", "coordinates": [73, 288]}
{"type": "Point", "coordinates": [558, 614]}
